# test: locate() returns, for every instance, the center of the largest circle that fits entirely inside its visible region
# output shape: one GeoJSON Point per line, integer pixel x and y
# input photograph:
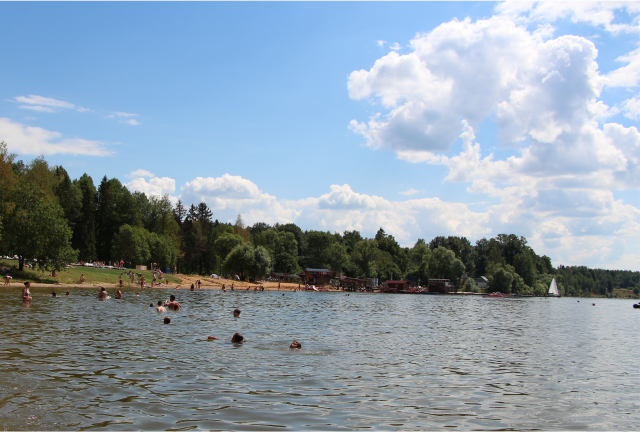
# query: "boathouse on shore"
{"type": "Point", "coordinates": [318, 276]}
{"type": "Point", "coordinates": [397, 285]}
{"type": "Point", "coordinates": [442, 286]}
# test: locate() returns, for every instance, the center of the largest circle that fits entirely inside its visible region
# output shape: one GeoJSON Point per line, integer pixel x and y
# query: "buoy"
{"type": "Point", "coordinates": [593, 304]}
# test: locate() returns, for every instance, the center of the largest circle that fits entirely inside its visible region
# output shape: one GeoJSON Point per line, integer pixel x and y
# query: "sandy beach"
{"type": "Point", "coordinates": [187, 280]}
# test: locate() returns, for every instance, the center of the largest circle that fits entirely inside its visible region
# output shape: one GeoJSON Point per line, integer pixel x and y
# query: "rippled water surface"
{"type": "Point", "coordinates": [368, 361]}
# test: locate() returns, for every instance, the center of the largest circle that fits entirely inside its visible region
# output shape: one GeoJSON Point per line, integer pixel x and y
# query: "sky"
{"type": "Point", "coordinates": [421, 118]}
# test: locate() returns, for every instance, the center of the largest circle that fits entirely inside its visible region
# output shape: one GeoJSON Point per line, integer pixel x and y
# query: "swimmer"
{"type": "Point", "coordinates": [26, 294]}
{"type": "Point", "coordinates": [237, 338]}
{"type": "Point", "coordinates": [150, 304]}
{"type": "Point", "coordinates": [212, 338]}
{"type": "Point", "coordinates": [173, 304]}
{"type": "Point", "coordinates": [103, 293]}
{"type": "Point", "coordinates": [295, 345]}
{"type": "Point", "coordinates": [167, 320]}
{"type": "Point", "coordinates": [160, 307]}
{"type": "Point", "coordinates": [67, 293]}
{"type": "Point", "coordinates": [192, 287]}
{"type": "Point", "coordinates": [53, 294]}
{"type": "Point", "coordinates": [236, 313]}
{"type": "Point", "coordinates": [118, 294]}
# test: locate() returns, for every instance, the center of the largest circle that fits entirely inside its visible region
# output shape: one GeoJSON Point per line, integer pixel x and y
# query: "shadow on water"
{"type": "Point", "coordinates": [368, 361]}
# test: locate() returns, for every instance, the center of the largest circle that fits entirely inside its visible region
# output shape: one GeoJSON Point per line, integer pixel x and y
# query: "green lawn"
{"type": "Point", "coordinates": [72, 275]}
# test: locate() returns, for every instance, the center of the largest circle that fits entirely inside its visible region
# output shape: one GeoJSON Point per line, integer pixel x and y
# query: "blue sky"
{"type": "Point", "coordinates": [343, 116]}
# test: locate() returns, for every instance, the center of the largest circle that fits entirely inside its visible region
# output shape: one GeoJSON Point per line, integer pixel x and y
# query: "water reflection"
{"type": "Point", "coordinates": [368, 361]}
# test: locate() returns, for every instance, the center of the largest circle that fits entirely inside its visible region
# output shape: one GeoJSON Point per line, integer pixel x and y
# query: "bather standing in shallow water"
{"type": "Point", "coordinates": [26, 294]}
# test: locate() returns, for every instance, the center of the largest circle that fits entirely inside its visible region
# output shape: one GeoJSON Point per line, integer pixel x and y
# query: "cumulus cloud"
{"type": "Point", "coordinates": [132, 122]}
{"type": "Point", "coordinates": [141, 173]}
{"type": "Point", "coordinates": [230, 195]}
{"type": "Point", "coordinates": [155, 186]}
{"type": "Point", "coordinates": [543, 93]}
{"type": "Point", "coordinates": [45, 104]}
{"type": "Point", "coordinates": [412, 191]}
{"type": "Point", "coordinates": [597, 14]}
{"type": "Point", "coordinates": [30, 140]}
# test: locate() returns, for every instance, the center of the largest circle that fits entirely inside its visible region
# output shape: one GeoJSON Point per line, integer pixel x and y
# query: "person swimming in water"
{"type": "Point", "coordinates": [118, 294]}
{"type": "Point", "coordinates": [236, 313]}
{"type": "Point", "coordinates": [173, 304]}
{"type": "Point", "coordinates": [103, 293]}
{"type": "Point", "coordinates": [160, 307]}
{"type": "Point", "coordinates": [237, 338]}
{"type": "Point", "coordinates": [167, 320]}
{"type": "Point", "coordinates": [295, 345]}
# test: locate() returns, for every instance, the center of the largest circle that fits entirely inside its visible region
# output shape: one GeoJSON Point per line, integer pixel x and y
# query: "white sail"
{"type": "Point", "coordinates": [553, 288]}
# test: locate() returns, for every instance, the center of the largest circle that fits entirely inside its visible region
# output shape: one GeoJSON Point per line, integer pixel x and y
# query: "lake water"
{"type": "Point", "coordinates": [368, 361]}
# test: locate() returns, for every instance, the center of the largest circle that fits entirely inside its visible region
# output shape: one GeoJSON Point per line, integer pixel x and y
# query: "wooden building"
{"type": "Point", "coordinates": [318, 276]}
{"type": "Point", "coordinates": [396, 285]}
{"type": "Point", "coordinates": [440, 286]}
{"type": "Point", "coordinates": [352, 284]}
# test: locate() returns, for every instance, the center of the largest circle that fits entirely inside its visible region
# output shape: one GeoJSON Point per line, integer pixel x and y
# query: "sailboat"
{"type": "Point", "coordinates": [553, 289]}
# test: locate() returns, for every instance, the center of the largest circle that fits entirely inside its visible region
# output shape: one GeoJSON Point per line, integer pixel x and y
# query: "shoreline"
{"type": "Point", "coordinates": [185, 284]}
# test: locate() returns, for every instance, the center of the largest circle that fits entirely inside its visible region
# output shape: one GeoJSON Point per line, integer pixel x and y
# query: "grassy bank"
{"type": "Point", "coordinates": [72, 275]}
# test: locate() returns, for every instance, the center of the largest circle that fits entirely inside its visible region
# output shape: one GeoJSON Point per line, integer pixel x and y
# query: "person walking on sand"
{"type": "Point", "coordinates": [26, 294]}
{"type": "Point", "coordinates": [7, 280]}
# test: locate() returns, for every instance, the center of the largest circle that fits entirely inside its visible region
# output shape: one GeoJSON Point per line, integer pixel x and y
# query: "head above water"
{"type": "Point", "coordinates": [102, 289]}
{"type": "Point", "coordinates": [237, 338]}
{"type": "Point", "coordinates": [159, 302]}
{"type": "Point", "coordinates": [167, 320]}
{"type": "Point", "coordinates": [295, 345]}
{"type": "Point", "coordinates": [236, 313]}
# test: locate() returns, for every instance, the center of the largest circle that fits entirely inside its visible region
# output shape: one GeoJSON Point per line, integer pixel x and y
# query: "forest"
{"type": "Point", "coordinates": [48, 217]}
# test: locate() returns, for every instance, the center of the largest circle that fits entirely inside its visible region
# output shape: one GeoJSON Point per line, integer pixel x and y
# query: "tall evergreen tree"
{"type": "Point", "coordinates": [84, 232]}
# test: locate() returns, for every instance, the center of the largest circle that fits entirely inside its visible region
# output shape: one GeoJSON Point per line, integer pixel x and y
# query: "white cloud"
{"type": "Point", "coordinates": [412, 191]}
{"type": "Point", "coordinates": [30, 140]}
{"type": "Point", "coordinates": [141, 173]}
{"type": "Point", "coordinates": [132, 122]}
{"type": "Point", "coordinates": [631, 108]}
{"type": "Point", "coordinates": [395, 47]}
{"type": "Point", "coordinates": [381, 43]}
{"type": "Point", "coordinates": [629, 75]}
{"type": "Point", "coordinates": [155, 186]}
{"type": "Point", "coordinates": [124, 114]}
{"type": "Point", "coordinates": [460, 70]}
{"type": "Point", "coordinates": [45, 104]}
{"type": "Point", "coordinates": [598, 14]}
{"type": "Point", "coordinates": [230, 195]}
{"type": "Point", "coordinates": [37, 108]}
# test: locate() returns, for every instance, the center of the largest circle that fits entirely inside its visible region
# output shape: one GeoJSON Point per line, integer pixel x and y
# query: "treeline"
{"type": "Point", "coordinates": [48, 217]}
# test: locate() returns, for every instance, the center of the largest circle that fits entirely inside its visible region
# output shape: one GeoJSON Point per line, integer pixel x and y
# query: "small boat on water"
{"type": "Point", "coordinates": [553, 289]}
{"type": "Point", "coordinates": [636, 306]}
